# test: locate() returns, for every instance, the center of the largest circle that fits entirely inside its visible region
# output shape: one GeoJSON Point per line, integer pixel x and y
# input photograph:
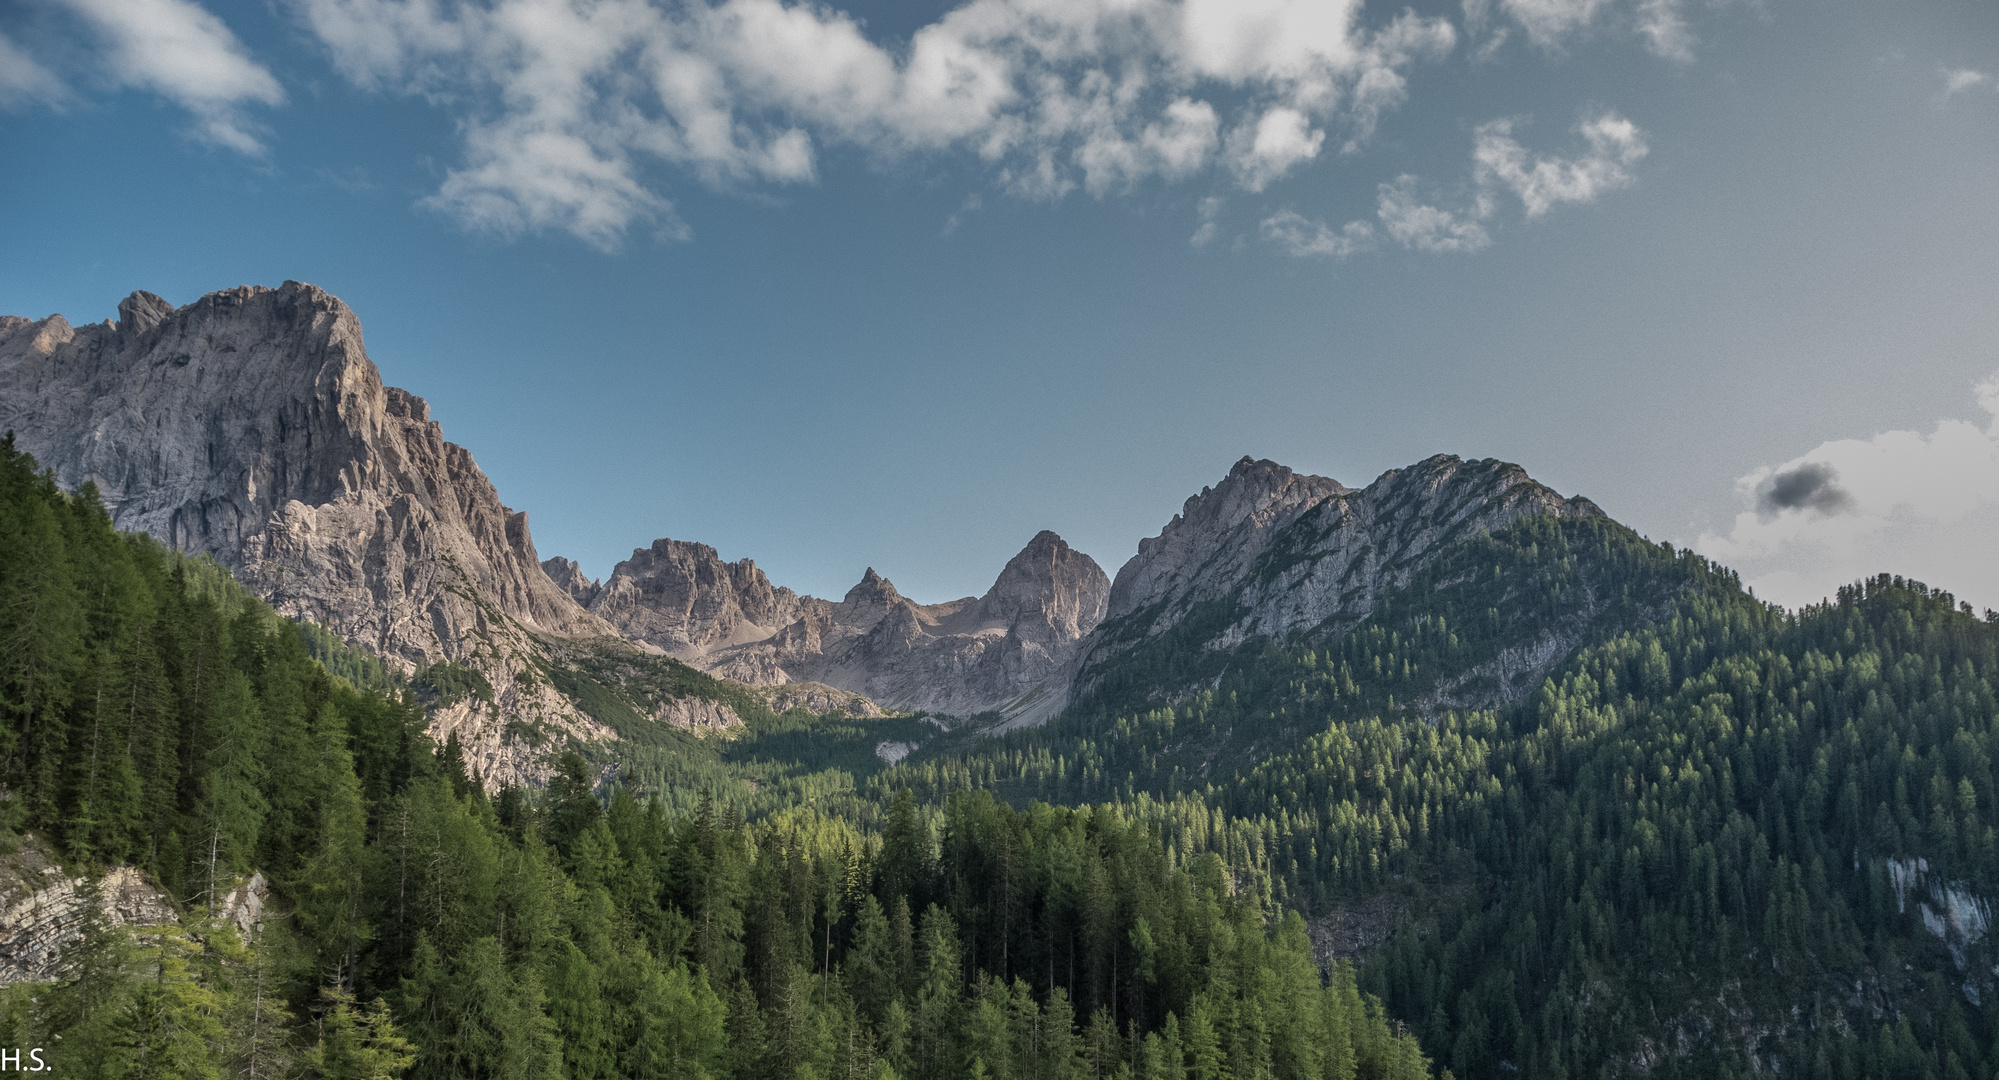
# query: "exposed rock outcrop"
{"type": "Point", "coordinates": [46, 911]}
{"type": "Point", "coordinates": [682, 598]}
{"type": "Point", "coordinates": [568, 577]}
{"type": "Point", "coordinates": [1282, 553]}
{"type": "Point", "coordinates": [246, 906]}
{"type": "Point", "coordinates": [1206, 550]}
{"type": "Point", "coordinates": [1007, 651]}
{"type": "Point", "coordinates": [822, 699]}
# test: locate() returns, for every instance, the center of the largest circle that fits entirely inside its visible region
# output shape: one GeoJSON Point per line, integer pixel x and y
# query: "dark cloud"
{"type": "Point", "coordinates": [1811, 486]}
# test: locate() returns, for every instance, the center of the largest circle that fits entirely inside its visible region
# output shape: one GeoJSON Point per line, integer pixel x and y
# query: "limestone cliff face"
{"type": "Point", "coordinates": [568, 576]}
{"type": "Point", "coordinates": [251, 426]}
{"type": "Point", "coordinates": [682, 598]}
{"type": "Point", "coordinates": [1283, 553]}
{"type": "Point", "coordinates": [1008, 650]}
{"type": "Point", "coordinates": [1207, 548]}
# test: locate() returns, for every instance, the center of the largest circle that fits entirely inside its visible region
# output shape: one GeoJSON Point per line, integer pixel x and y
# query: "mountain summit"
{"type": "Point", "coordinates": [1273, 553]}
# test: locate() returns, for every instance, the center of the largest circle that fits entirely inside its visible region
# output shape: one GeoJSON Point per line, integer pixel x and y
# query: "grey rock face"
{"type": "Point", "coordinates": [1286, 553]}
{"type": "Point", "coordinates": [568, 577]}
{"type": "Point", "coordinates": [1207, 547]}
{"type": "Point", "coordinates": [44, 912]}
{"type": "Point", "coordinates": [1008, 650]}
{"type": "Point", "coordinates": [244, 906]}
{"type": "Point", "coordinates": [822, 699]}
{"type": "Point", "coordinates": [682, 598]}
{"type": "Point", "coordinates": [251, 426]}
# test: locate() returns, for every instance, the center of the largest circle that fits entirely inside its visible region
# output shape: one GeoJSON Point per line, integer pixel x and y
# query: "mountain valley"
{"type": "Point", "coordinates": [1444, 775]}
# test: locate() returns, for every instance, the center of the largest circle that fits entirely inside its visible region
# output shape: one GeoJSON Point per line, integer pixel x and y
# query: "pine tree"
{"type": "Point", "coordinates": [940, 985]}
{"type": "Point", "coordinates": [230, 812]}
{"type": "Point", "coordinates": [106, 803]}
{"type": "Point", "coordinates": [357, 1044]}
{"type": "Point", "coordinates": [330, 885]}
{"type": "Point", "coordinates": [576, 1003]}
{"type": "Point", "coordinates": [174, 1025]}
{"type": "Point", "coordinates": [870, 967]}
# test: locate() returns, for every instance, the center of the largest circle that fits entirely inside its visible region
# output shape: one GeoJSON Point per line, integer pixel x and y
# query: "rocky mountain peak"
{"type": "Point", "coordinates": [403, 405]}
{"type": "Point", "coordinates": [873, 590]}
{"type": "Point", "coordinates": [1290, 553]}
{"type": "Point", "coordinates": [1013, 645]}
{"type": "Point", "coordinates": [1049, 591]}
{"type": "Point", "coordinates": [682, 598]}
{"type": "Point", "coordinates": [1230, 521]}
{"type": "Point", "coordinates": [140, 312]}
{"type": "Point", "coordinates": [568, 576]}
{"type": "Point", "coordinates": [1256, 490]}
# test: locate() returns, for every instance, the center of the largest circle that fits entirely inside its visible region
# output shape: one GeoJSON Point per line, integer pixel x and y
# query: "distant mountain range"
{"type": "Point", "coordinates": [250, 426]}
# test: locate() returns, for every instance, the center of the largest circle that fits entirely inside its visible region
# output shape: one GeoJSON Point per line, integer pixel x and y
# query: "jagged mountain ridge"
{"type": "Point", "coordinates": [251, 426]}
{"type": "Point", "coordinates": [1009, 650]}
{"type": "Point", "coordinates": [1281, 554]}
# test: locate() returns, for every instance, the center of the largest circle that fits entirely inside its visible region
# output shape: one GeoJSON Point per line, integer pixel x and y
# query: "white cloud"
{"type": "Point", "coordinates": [1383, 84]}
{"type": "Point", "coordinates": [565, 105]}
{"type": "Point", "coordinates": [1303, 237]}
{"type": "Point", "coordinates": [1277, 142]}
{"type": "Point", "coordinates": [1498, 163]}
{"type": "Point", "coordinates": [177, 49]}
{"type": "Point", "coordinates": [1957, 80]}
{"type": "Point", "coordinates": [1184, 137]}
{"type": "Point", "coordinates": [1663, 25]}
{"type": "Point", "coordinates": [1615, 144]}
{"type": "Point", "coordinates": [1415, 224]}
{"type": "Point", "coordinates": [1924, 506]}
{"type": "Point", "coordinates": [529, 173]}
{"type": "Point", "coordinates": [22, 80]}
{"type": "Point", "coordinates": [1548, 21]}
{"type": "Point", "coordinates": [972, 204]}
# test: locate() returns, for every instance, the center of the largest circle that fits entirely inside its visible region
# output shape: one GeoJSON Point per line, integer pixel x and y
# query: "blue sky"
{"type": "Point", "coordinates": [900, 285]}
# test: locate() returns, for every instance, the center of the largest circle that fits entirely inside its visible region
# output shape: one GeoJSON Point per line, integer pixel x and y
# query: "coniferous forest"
{"type": "Point", "coordinates": [158, 716]}
{"type": "Point", "coordinates": [1721, 838]}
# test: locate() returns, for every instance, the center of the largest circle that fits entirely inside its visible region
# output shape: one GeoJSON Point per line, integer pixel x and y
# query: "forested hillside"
{"type": "Point", "coordinates": [1721, 839]}
{"type": "Point", "coordinates": [159, 716]}
{"type": "Point", "coordinates": [1714, 839]}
